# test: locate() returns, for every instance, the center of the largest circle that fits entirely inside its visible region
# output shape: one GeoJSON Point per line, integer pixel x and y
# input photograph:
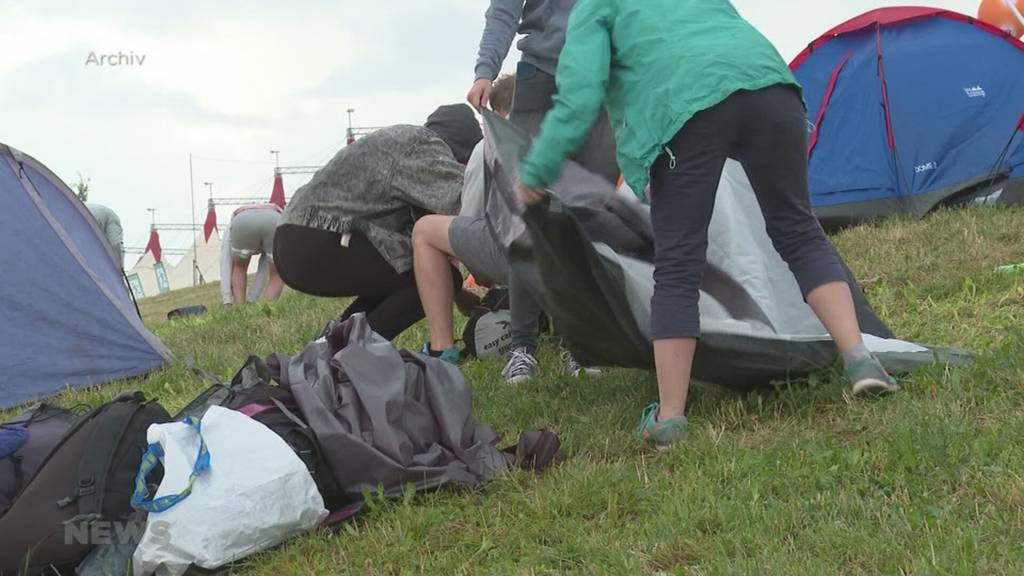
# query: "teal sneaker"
{"type": "Point", "coordinates": [451, 355]}
{"type": "Point", "coordinates": [868, 378]}
{"type": "Point", "coordinates": [662, 434]}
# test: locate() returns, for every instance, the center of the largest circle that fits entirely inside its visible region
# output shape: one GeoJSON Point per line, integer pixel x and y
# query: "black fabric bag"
{"type": "Point", "coordinates": [82, 487]}
{"type": "Point", "coordinates": [275, 408]}
{"type": "Point", "coordinates": [44, 424]}
{"type": "Point", "coordinates": [252, 393]}
{"type": "Point", "coordinates": [488, 332]}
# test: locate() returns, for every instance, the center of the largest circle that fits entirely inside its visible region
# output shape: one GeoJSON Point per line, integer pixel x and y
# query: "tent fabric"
{"type": "Point", "coordinates": [145, 269]}
{"type": "Point", "coordinates": [153, 245]}
{"type": "Point", "coordinates": [210, 224]}
{"type": "Point", "coordinates": [67, 318]}
{"type": "Point", "coordinates": [385, 418]}
{"type": "Point", "coordinates": [755, 326]}
{"type": "Point", "coordinates": [903, 116]}
{"type": "Point", "coordinates": [277, 194]}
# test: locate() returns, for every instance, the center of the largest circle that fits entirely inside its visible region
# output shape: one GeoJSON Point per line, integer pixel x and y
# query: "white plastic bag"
{"type": "Point", "coordinates": [255, 494]}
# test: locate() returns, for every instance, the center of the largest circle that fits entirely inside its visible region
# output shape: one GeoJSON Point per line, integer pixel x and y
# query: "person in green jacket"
{"type": "Point", "coordinates": [689, 84]}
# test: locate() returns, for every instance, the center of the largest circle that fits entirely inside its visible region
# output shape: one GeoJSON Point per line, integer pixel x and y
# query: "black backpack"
{"type": "Point", "coordinates": [488, 331]}
{"type": "Point", "coordinates": [252, 394]}
{"type": "Point", "coordinates": [82, 490]}
{"type": "Point", "coordinates": [43, 427]}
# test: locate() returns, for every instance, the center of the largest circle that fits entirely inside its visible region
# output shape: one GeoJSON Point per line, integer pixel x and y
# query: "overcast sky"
{"type": "Point", "coordinates": [228, 81]}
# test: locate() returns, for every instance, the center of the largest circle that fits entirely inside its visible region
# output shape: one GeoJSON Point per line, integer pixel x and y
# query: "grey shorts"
{"type": "Point", "coordinates": [475, 246]}
{"type": "Point", "coordinates": [252, 232]}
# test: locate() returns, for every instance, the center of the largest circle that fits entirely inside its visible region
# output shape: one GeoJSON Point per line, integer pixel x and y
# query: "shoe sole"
{"type": "Point", "coordinates": [874, 387]}
{"type": "Point", "coordinates": [584, 373]}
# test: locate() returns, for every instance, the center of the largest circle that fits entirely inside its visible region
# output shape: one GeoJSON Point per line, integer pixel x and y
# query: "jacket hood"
{"type": "Point", "coordinates": [458, 127]}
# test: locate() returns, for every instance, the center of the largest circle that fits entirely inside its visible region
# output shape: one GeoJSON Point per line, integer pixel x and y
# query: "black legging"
{"type": "Point", "coordinates": [314, 262]}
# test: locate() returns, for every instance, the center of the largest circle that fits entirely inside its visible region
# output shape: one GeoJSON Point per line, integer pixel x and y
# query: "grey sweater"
{"type": "Point", "coordinates": [378, 187]}
{"type": "Point", "coordinates": [110, 225]}
{"type": "Point", "coordinates": [543, 24]}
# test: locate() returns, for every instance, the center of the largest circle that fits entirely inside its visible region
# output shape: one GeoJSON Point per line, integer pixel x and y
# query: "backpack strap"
{"type": "Point", "coordinates": [210, 377]}
{"type": "Point", "coordinates": [95, 464]}
{"type": "Point", "coordinates": [291, 415]}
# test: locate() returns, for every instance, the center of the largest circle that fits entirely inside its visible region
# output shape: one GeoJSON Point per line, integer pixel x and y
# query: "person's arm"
{"type": "Point", "coordinates": [239, 278]}
{"type": "Point", "coordinates": [501, 23]}
{"type": "Point", "coordinates": [582, 79]}
{"type": "Point", "coordinates": [500, 27]}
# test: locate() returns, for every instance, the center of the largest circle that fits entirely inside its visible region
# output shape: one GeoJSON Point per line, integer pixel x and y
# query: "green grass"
{"type": "Point", "coordinates": [802, 480]}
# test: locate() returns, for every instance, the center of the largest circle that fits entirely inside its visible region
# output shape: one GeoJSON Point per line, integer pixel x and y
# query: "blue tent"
{"type": "Point", "coordinates": [66, 318]}
{"type": "Point", "coordinates": [910, 109]}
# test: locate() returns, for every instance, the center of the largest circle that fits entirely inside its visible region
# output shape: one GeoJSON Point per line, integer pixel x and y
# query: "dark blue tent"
{"type": "Point", "coordinates": [910, 109]}
{"type": "Point", "coordinates": [66, 318]}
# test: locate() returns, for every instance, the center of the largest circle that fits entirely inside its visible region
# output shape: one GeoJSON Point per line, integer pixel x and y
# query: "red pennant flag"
{"type": "Point", "coordinates": [211, 222]}
{"type": "Point", "coordinates": [1021, 125]}
{"type": "Point", "coordinates": [153, 246]}
{"type": "Point", "coordinates": [277, 196]}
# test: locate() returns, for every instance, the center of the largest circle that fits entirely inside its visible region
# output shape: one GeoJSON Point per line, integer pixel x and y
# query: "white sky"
{"type": "Point", "coordinates": [228, 81]}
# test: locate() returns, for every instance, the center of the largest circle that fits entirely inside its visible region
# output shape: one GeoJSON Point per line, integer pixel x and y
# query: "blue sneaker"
{"type": "Point", "coordinates": [660, 433]}
{"type": "Point", "coordinates": [451, 355]}
{"type": "Point", "coordinates": [868, 378]}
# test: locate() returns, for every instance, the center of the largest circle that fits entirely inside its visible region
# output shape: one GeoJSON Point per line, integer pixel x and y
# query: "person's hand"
{"type": "Point", "coordinates": [480, 94]}
{"type": "Point", "coordinates": [529, 195]}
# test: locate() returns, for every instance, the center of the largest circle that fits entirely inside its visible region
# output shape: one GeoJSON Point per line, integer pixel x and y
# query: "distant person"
{"type": "Point", "coordinates": [110, 225]}
{"type": "Point", "coordinates": [347, 233]}
{"type": "Point", "coordinates": [713, 89]}
{"type": "Point", "coordinates": [251, 233]}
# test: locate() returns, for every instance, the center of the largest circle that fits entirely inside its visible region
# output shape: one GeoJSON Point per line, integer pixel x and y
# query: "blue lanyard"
{"type": "Point", "coordinates": [155, 454]}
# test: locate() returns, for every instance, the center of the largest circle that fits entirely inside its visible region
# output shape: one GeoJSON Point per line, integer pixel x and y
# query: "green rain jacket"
{"type": "Point", "coordinates": [654, 64]}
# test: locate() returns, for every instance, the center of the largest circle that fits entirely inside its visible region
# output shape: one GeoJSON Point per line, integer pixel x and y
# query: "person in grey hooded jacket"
{"type": "Point", "coordinates": [542, 25]}
{"type": "Point", "coordinates": [347, 232]}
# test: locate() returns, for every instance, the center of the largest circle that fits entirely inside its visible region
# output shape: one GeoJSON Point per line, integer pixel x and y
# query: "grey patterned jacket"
{"type": "Point", "coordinates": [379, 186]}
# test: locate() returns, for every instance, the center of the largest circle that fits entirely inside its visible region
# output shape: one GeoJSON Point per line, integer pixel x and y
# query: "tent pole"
{"type": "Point", "coordinates": [192, 193]}
{"type": "Point", "coordinates": [130, 293]}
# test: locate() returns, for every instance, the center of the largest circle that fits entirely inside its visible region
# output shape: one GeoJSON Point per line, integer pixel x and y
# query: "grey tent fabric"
{"type": "Point", "coordinates": [67, 318]}
{"type": "Point", "coordinates": [385, 418]}
{"type": "Point", "coordinates": [756, 328]}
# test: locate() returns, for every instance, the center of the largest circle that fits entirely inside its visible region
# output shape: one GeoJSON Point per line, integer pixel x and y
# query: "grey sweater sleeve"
{"type": "Point", "coordinates": [500, 27]}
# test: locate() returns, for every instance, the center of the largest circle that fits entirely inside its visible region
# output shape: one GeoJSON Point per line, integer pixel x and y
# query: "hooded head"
{"type": "Point", "coordinates": [457, 126]}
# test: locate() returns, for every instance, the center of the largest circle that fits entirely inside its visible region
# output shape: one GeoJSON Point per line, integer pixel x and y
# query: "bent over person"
{"type": "Point", "coordinates": [347, 233]}
{"type": "Point", "coordinates": [251, 233]}
{"type": "Point", "coordinates": [110, 225]}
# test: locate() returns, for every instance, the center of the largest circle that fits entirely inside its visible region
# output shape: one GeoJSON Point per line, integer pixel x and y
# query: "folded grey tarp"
{"type": "Point", "coordinates": [755, 326]}
{"type": "Point", "coordinates": [385, 418]}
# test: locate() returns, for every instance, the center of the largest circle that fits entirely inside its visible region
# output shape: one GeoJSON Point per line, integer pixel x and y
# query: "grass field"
{"type": "Point", "coordinates": [802, 480]}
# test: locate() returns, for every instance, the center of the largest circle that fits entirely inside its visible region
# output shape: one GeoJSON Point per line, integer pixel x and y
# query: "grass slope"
{"type": "Point", "coordinates": [802, 480]}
